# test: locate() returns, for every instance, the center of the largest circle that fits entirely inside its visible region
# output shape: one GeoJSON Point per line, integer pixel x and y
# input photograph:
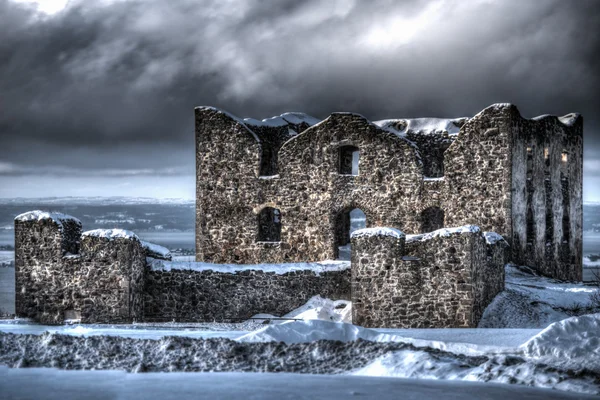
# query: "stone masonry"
{"type": "Point", "coordinates": [443, 279]}
{"type": "Point", "coordinates": [110, 276]}
{"type": "Point", "coordinates": [280, 190]}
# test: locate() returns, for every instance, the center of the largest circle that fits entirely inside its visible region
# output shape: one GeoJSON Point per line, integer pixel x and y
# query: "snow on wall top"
{"type": "Point", "coordinates": [284, 119]}
{"type": "Point", "coordinates": [378, 231]}
{"type": "Point", "coordinates": [423, 126]}
{"type": "Point", "coordinates": [154, 250]}
{"type": "Point", "coordinates": [280, 269]}
{"type": "Point", "coordinates": [111, 234]}
{"type": "Point", "coordinates": [444, 232]}
{"type": "Point", "coordinates": [567, 120]}
{"type": "Point", "coordinates": [38, 215]}
{"type": "Point", "coordinates": [493, 238]}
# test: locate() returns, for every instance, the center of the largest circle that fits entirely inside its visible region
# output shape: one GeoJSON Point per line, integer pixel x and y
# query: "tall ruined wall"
{"type": "Point", "coordinates": [310, 193]}
{"type": "Point", "coordinates": [180, 293]}
{"type": "Point", "coordinates": [438, 281]}
{"type": "Point", "coordinates": [477, 180]}
{"type": "Point", "coordinates": [547, 202]}
{"type": "Point", "coordinates": [227, 163]}
{"type": "Point", "coordinates": [315, 196]}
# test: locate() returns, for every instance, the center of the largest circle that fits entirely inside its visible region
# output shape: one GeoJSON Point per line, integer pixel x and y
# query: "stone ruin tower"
{"type": "Point", "coordinates": [281, 190]}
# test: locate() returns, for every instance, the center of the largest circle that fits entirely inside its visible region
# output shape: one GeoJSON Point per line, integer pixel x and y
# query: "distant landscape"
{"type": "Point", "coordinates": [170, 222]}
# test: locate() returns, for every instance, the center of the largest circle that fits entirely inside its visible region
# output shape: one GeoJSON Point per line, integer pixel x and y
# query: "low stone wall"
{"type": "Point", "coordinates": [207, 295]}
{"type": "Point", "coordinates": [104, 276]}
{"type": "Point", "coordinates": [443, 279]}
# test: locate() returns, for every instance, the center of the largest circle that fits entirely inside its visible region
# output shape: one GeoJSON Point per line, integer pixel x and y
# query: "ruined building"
{"type": "Point", "coordinates": [282, 189]}
{"type": "Point", "coordinates": [447, 203]}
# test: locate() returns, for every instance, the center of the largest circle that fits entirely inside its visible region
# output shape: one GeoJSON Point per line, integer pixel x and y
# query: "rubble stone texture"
{"type": "Point", "coordinates": [432, 282]}
{"type": "Point", "coordinates": [101, 282]}
{"type": "Point", "coordinates": [501, 172]}
{"type": "Point", "coordinates": [109, 280]}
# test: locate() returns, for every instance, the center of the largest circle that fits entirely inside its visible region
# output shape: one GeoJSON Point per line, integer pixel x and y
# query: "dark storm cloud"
{"type": "Point", "coordinates": [126, 75]}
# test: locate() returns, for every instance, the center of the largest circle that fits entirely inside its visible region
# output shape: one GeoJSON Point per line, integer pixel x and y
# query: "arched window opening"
{"type": "Point", "coordinates": [346, 223]}
{"type": "Point", "coordinates": [564, 156]}
{"type": "Point", "coordinates": [269, 225]}
{"type": "Point", "coordinates": [432, 219]}
{"type": "Point", "coordinates": [349, 158]}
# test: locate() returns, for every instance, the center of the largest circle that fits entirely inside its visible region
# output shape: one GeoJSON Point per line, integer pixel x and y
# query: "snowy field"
{"type": "Point", "coordinates": [102, 385]}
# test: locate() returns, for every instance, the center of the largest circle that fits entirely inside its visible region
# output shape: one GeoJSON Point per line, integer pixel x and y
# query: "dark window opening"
{"type": "Point", "coordinates": [269, 225]}
{"type": "Point", "coordinates": [529, 161]}
{"type": "Point", "coordinates": [349, 157]}
{"type": "Point", "coordinates": [346, 223]}
{"type": "Point", "coordinates": [432, 219]}
{"type": "Point", "coordinates": [530, 226]}
{"type": "Point", "coordinates": [566, 228]}
{"type": "Point", "coordinates": [549, 214]}
{"type": "Point", "coordinates": [547, 156]}
{"type": "Point", "coordinates": [268, 161]}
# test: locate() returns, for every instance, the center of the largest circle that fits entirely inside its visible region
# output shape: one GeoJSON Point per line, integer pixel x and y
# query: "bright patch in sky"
{"type": "Point", "coordinates": [46, 6]}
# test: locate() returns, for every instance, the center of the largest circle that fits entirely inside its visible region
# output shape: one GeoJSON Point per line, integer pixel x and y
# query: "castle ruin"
{"type": "Point", "coordinates": [281, 190]}
{"type": "Point", "coordinates": [446, 208]}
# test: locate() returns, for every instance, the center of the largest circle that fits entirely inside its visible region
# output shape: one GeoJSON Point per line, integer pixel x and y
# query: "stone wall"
{"type": "Point", "coordinates": [101, 282]}
{"type": "Point", "coordinates": [109, 279]}
{"type": "Point", "coordinates": [41, 242]}
{"type": "Point", "coordinates": [477, 173]}
{"type": "Point", "coordinates": [438, 280]}
{"type": "Point", "coordinates": [547, 202]}
{"type": "Point", "coordinates": [185, 294]}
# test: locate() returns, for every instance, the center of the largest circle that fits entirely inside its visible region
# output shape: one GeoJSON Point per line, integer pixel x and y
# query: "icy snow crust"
{"type": "Point", "coordinates": [310, 347]}
{"type": "Point", "coordinates": [444, 232]}
{"type": "Point", "coordinates": [283, 268]}
{"type": "Point", "coordinates": [378, 231]}
{"type": "Point", "coordinates": [572, 343]}
{"type": "Point", "coordinates": [111, 234]}
{"type": "Point", "coordinates": [38, 215]}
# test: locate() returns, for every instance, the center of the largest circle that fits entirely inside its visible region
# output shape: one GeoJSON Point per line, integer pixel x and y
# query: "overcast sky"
{"type": "Point", "coordinates": [97, 97]}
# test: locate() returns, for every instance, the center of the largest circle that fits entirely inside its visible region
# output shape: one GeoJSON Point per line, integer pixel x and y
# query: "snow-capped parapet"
{"type": "Point", "coordinates": [494, 238]}
{"type": "Point", "coordinates": [110, 234]}
{"type": "Point", "coordinates": [37, 215]}
{"type": "Point", "coordinates": [422, 126]}
{"type": "Point", "coordinates": [567, 120]}
{"type": "Point", "coordinates": [278, 269]}
{"type": "Point", "coordinates": [156, 251]}
{"type": "Point", "coordinates": [378, 231]}
{"type": "Point", "coordinates": [444, 232]}
{"type": "Point", "coordinates": [572, 341]}
{"type": "Point", "coordinates": [294, 118]}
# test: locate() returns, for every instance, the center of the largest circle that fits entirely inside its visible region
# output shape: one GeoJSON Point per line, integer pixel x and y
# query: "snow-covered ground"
{"type": "Point", "coordinates": [52, 384]}
{"type": "Point", "coordinates": [565, 356]}
{"type": "Point", "coordinates": [532, 301]}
